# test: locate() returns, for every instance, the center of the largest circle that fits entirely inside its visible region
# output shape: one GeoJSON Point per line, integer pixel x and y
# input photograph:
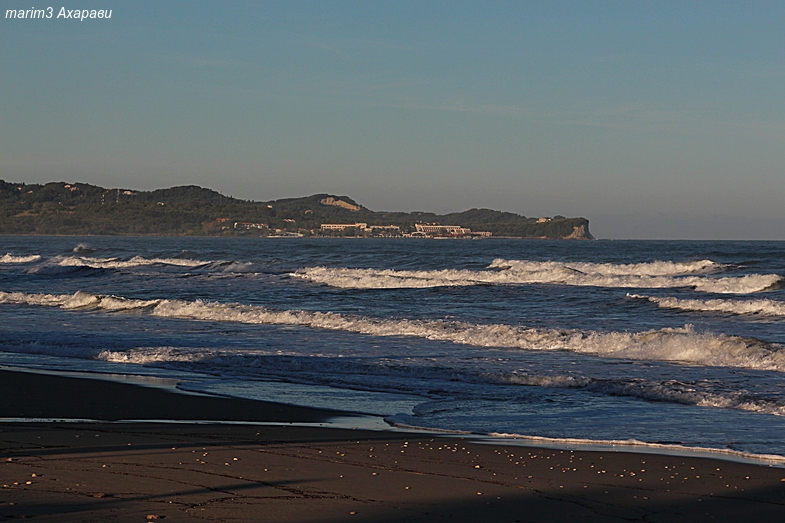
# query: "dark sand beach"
{"type": "Point", "coordinates": [57, 471]}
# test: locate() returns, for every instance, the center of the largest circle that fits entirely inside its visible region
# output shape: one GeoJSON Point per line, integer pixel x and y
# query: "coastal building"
{"type": "Point", "coordinates": [363, 227]}
{"type": "Point", "coordinates": [384, 228]}
{"type": "Point", "coordinates": [246, 226]}
{"type": "Point", "coordinates": [434, 229]}
{"type": "Point", "coordinates": [283, 233]}
{"type": "Point", "coordinates": [422, 230]}
{"type": "Point", "coordinates": [343, 226]}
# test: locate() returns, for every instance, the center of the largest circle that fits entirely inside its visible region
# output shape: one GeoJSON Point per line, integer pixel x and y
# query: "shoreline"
{"type": "Point", "coordinates": [345, 419]}
{"type": "Point", "coordinates": [294, 470]}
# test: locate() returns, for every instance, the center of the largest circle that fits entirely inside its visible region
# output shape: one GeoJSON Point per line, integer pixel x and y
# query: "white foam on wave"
{"type": "Point", "coordinates": [78, 300]}
{"type": "Point", "coordinates": [118, 263]}
{"type": "Point", "coordinates": [392, 279]}
{"type": "Point", "coordinates": [668, 344]}
{"type": "Point", "coordinates": [21, 298]}
{"type": "Point", "coordinates": [516, 272]}
{"type": "Point", "coordinates": [10, 258]}
{"type": "Point", "coordinates": [86, 300]}
{"type": "Point", "coordinates": [143, 355]}
{"type": "Point", "coordinates": [655, 268]}
{"type": "Point", "coordinates": [761, 307]}
{"type": "Point", "coordinates": [83, 247]}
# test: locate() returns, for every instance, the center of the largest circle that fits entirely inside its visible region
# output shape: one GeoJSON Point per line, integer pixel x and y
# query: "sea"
{"type": "Point", "coordinates": [650, 343]}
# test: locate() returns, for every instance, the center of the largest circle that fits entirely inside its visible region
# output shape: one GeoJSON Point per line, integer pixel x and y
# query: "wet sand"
{"type": "Point", "coordinates": [60, 471]}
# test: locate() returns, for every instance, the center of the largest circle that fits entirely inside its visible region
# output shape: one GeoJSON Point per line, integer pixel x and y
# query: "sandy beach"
{"type": "Point", "coordinates": [93, 471]}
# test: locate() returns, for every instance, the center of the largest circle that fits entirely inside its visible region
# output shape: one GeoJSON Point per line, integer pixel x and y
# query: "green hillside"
{"type": "Point", "coordinates": [83, 209]}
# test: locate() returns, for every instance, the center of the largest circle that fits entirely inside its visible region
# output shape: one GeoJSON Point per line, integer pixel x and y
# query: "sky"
{"type": "Point", "coordinates": [654, 120]}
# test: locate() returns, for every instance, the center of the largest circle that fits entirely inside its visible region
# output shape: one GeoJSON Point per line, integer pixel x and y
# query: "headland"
{"type": "Point", "coordinates": [83, 209]}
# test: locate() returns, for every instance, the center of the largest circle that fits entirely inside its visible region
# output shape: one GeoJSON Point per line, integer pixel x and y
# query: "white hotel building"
{"type": "Point", "coordinates": [455, 230]}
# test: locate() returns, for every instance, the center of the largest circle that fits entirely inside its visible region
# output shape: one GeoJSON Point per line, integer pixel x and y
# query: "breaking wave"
{"type": "Point", "coordinates": [668, 344]}
{"type": "Point", "coordinates": [655, 268]}
{"type": "Point", "coordinates": [392, 279]}
{"type": "Point", "coordinates": [83, 248]}
{"type": "Point", "coordinates": [118, 263]}
{"type": "Point", "coordinates": [10, 258]}
{"type": "Point", "coordinates": [143, 355]}
{"type": "Point", "coordinates": [511, 272]}
{"type": "Point", "coordinates": [760, 307]}
{"type": "Point", "coordinates": [21, 298]}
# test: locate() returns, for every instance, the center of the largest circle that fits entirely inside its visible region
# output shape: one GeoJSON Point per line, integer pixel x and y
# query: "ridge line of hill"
{"type": "Point", "coordinates": [84, 209]}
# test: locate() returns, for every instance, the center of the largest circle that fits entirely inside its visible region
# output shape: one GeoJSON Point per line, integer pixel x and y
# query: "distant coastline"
{"type": "Point", "coordinates": [78, 209]}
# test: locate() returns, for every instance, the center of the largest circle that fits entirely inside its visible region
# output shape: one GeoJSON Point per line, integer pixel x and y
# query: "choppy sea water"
{"type": "Point", "coordinates": [677, 342]}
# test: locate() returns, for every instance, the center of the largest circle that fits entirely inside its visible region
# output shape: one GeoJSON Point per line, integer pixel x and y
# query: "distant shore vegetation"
{"type": "Point", "coordinates": [60, 208]}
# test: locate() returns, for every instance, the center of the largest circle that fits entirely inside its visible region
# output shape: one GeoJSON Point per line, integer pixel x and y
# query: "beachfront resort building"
{"type": "Point", "coordinates": [247, 226]}
{"type": "Point", "coordinates": [362, 228]}
{"type": "Point", "coordinates": [422, 230]}
{"type": "Point", "coordinates": [435, 229]}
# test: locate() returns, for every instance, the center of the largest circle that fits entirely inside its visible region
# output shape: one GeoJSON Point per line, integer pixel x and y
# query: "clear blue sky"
{"type": "Point", "coordinates": [653, 119]}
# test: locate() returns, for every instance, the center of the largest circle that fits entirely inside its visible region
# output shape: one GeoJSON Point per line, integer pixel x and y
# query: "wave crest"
{"type": "Point", "coordinates": [10, 258]}
{"type": "Point", "coordinates": [761, 307]}
{"type": "Point", "coordinates": [118, 263]}
{"type": "Point", "coordinates": [655, 268]}
{"type": "Point", "coordinates": [668, 344]}
{"type": "Point", "coordinates": [518, 272]}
